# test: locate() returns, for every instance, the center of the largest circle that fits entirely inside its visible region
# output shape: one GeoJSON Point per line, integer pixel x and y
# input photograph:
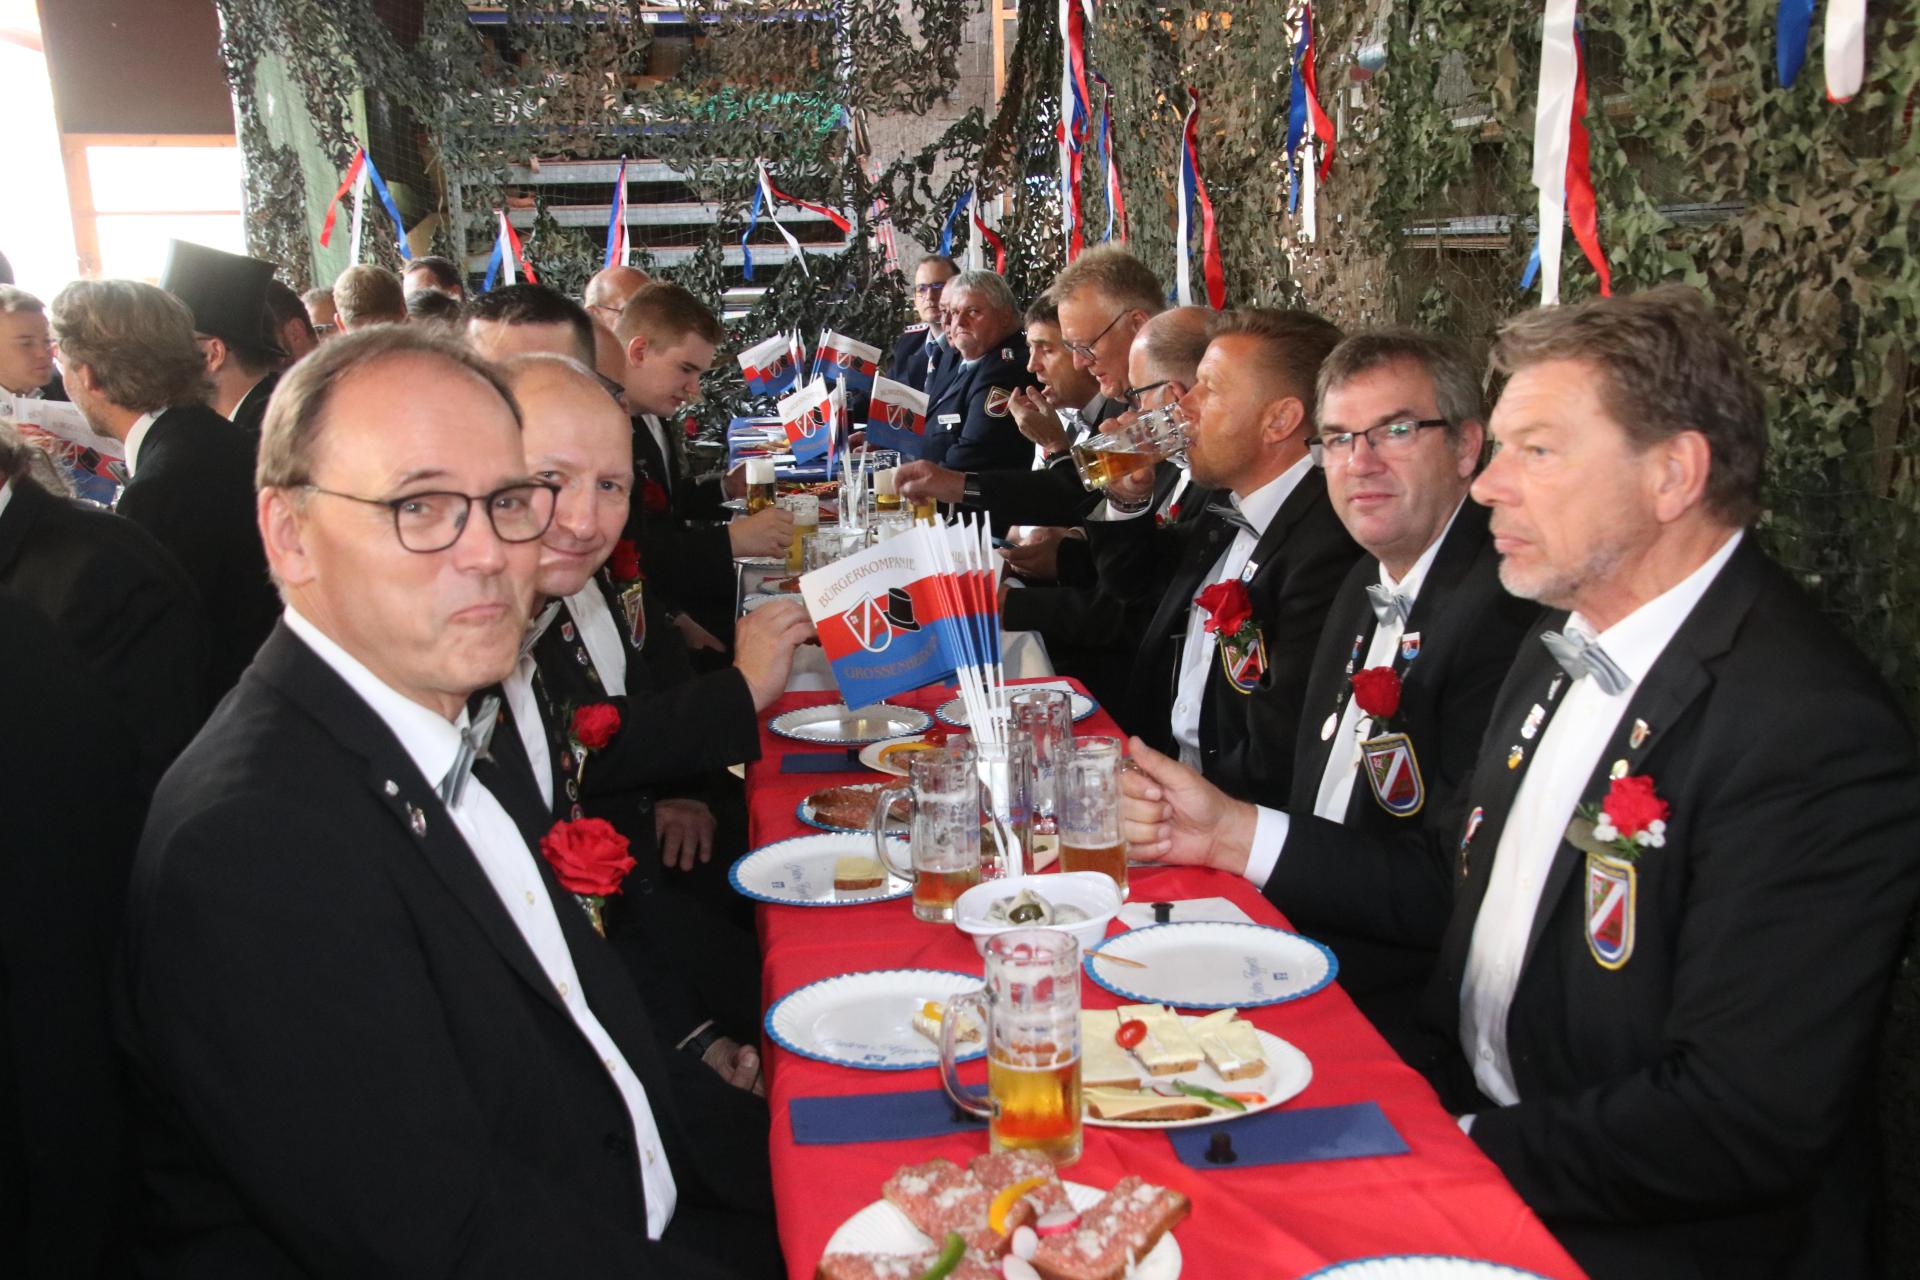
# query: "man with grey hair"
{"type": "Point", "coordinates": [374, 1033]}
{"type": "Point", "coordinates": [135, 371]}
{"type": "Point", "coordinates": [1357, 846]}
{"type": "Point", "coordinates": [970, 424]}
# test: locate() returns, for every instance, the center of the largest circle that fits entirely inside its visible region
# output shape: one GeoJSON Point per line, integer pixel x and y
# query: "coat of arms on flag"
{"type": "Point", "coordinates": [897, 417]}
{"type": "Point", "coordinates": [1612, 899]}
{"type": "Point", "coordinates": [770, 367]}
{"type": "Point", "coordinates": [1393, 771]}
{"type": "Point", "coordinates": [811, 420]}
{"type": "Point", "coordinates": [846, 360]}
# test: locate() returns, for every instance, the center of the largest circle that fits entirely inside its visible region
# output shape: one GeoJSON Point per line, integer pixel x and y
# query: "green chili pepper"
{"type": "Point", "coordinates": [950, 1256]}
{"type": "Point", "coordinates": [1208, 1095]}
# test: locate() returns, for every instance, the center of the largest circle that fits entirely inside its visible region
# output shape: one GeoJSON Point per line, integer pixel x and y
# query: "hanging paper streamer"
{"type": "Point", "coordinates": [1791, 23]}
{"type": "Point", "coordinates": [354, 172]}
{"type": "Point", "coordinates": [1846, 48]}
{"type": "Point", "coordinates": [843, 359]}
{"type": "Point", "coordinates": [1582, 208]}
{"type": "Point", "coordinates": [393, 210]}
{"type": "Point", "coordinates": [1110, 164]}
{"type": "Point", "coordinates": [1192, 192]}
{"type": "Point", "coordinates": [946, 231]}
{"type": "Point", "coordinates": [767, 196]}
{"type": "Point", "coordinates": [1563, 84]}
{"type": "Point", "coordinates": [808, 419]}
{"type": "Point", "coordinates": [1305, 105]}
{"type": "Point", "coordinates": [769, 366]}
{"type": "Point", "coordinates": [1075, 113]}
{"type": "Point", "coordinates": [985, 232]}
{"type": "Point", "coordinates": [619, 252]}
{"type": "Point", "coordinates": [897, 417]}
{"type": "Point", "coordinates": [507, 253]}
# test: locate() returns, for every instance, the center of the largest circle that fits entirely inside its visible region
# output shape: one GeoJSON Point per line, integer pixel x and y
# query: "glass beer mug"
{"type": "Point", "coordinates": [1031, 1008]}
{"type": "Point", "coordinates": [759, 484]}
{"type": "Point", "coordinates": [1090, 810]}
{"type": "Point", "coordinates": [1126, 447]}
{"type": "Point", "coordinates": [943, 788]}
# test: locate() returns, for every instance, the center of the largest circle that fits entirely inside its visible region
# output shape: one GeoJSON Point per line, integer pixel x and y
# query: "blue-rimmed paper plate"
{"type": "Point", "coordinates": [865, 1020]}
{"type": "Point", "coordinates": [1423, 1266]}
{"type": "Point", "coordinates": [1212, 964]}
{"type": "Point", "coordinates": [798, 872]}
{"type": "Point", "coordinates": [839, 724]}
{"type": "Point", "coordinates": [954, 710]}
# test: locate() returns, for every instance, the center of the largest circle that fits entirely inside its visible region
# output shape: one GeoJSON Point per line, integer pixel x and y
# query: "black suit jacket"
{"type": "Point", "coordinates": [126, 606]}
{"type": "Point", "coordinates": [352, 1062]}
{"type": "Point", "coordinates": [910, 361]}
{"type": "Point", "coordinates": [1702, 1109]}
{"type": "Point", "coordinates": [194, 493]}
{"type": "Point", "coordinates": [688, 563]}
{"type": "Point", "coordinates": [1375, 887]}
{"type": "Point", "coordinates": [251, 412]}
{"type": "Point", "coordinates": [70, 827]}
{"type": "Point", "coordinates": [1246, 739]}
{"type": "Point", "coordinates": [979, 436]}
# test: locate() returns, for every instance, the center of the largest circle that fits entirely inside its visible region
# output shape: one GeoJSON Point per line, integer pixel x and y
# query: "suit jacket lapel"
{"type": "Point", "coordinates": [309, 683]}
{"type": "Point", "coordinates": [22, 513]}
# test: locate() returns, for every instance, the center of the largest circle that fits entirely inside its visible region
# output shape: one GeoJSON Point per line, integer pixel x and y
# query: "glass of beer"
{"type": "Point", "coordinates": [925, 511]}
{"type": "Point", "coordinates": [1130, 444]}
{"type": "Point", "coordinates": [1031, 1007]}
{"type": "Point", "coordinates": [1044, 718]}
{"type": "Point", "coordinates": [1006, 781]}
{"type": "Point", "coordinates": [1090, 810]}
{"type": "Point", "coordinates": [886, 493]}
{"type": "Point", "coordinates": [759, 484]}
{"type": "Point", "coordinates": [805, 508]}
{"type": "Point", "coordinates": [943, 793]}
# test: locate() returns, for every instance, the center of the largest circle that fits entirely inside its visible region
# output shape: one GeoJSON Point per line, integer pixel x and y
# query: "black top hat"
{"type": "Point", "coordinates": [226, 292]}
{"type": "Point", "coordinates": [900, 609]}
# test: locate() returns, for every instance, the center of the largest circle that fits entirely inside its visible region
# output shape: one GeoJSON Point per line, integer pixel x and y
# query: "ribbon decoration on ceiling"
{"type": "Point", "coordinates": [354, 171]}
{"type": "Point", "coordinates": [953, 216]}
{"type": "Point", "coordinates": [619, 250]}
{"type": "Point", "coordinates": [1562, 168]}
{"type": "Point", "coordinates": [1191, 191]}
{"type": "Point", "coordinates": [1110, 164]}
{"type": "Point", "coordinates": [1075, 114]}
{"type": "Point", "coordinates": [1845, 36]}
{"type": "Point", "coordinates": [767, 196]}
{"type": "Point", "coordinates": [1791, 23]}
{"type": "Point", "coordinates": [1305, 105]}
{"type": "Point", "coordinates": [362, 165]}
{"type": "Point", "coordinates": [507, 253]}
{"type": "Point", "coordinates": [982, 229]}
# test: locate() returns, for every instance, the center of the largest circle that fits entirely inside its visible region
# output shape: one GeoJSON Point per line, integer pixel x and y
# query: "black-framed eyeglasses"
{"type": "Point", "coordinates": [1133, 395]}
{"type": "Point", "coordinates": [1085, 349]}
{"type": "Point", "coordinates": [1388, 440]}
{"type": "Point", "coordinates": [434, 521]}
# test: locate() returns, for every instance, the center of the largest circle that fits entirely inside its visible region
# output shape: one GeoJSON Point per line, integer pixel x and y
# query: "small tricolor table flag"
{"type": "Point", "coordinates": [897, 418]}
{"type": "Point", "coordinates": [811, 419]}
{"type": "Point", "coordinates": [842, 359]}
{"type": "Point", "coordinates": [770, 367]}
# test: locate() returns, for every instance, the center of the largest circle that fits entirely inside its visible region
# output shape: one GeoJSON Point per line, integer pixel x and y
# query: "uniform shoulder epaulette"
{"type": "Point", "coordinates": [914, 328]}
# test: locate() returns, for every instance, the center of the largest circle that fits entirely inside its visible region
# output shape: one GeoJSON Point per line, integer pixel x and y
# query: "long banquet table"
{"type": "Point", "coordinates": [1442, 1197]}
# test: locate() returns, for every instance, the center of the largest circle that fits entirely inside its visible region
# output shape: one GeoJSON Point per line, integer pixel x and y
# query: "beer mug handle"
{"type": "Point", "coordinates": [974, 1002]}
{"type": "Point", "coordinates": [882, 806]}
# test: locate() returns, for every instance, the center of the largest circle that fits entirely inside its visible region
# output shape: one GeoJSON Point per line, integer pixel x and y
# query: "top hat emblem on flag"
{"type": "Point", "coordinates": [900, 609]}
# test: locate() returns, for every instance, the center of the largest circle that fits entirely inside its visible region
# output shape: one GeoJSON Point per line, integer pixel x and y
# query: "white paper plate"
{"type": "Point", "coordinates": [799, 872]}
{"type": "Point", "coordinates": [1288, 1073]}
{"type": "Point", "coordinates": [865, 1020]}
{"type": "Point", "coordinates": [870, 755]}
{"type": "Point", "coordinates": [1213, 965]}
{"type": "Point", "coordinates": [761, 562]}
{"type": "Point", "coordinates": [881, 1228]}
{"type": "Point", "coordinates": [1422, 1267]}
{"type": "Point", "coordinates": [835, 722]}
{"type": "Point", "coordinates": [954, 710]}
{"type": "Point", "coordinates": [804, 812]}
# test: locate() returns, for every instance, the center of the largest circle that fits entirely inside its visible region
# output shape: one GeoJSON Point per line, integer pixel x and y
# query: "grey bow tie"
{"type": "Point", "coordinates": [473, 744]}
{"type": "Point", "coordinates": [1231, 514]}
{"type": "Point", "coordinates": [538, 627]}
{"type": "Point", "coordinates": [1579, 656]}
{"type": "Point", "coordinates": [1389, 604]}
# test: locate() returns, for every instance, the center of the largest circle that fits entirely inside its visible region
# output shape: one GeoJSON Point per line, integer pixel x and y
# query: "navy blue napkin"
{"type": "Point", "coordinates": [817, 762]}
{"type": "Point", "coordinates": [1293, 1137]}
{"type": "Point", "coordinates": [877, 1117]}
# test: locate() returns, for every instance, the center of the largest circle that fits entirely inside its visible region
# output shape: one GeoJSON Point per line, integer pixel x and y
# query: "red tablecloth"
{"type": "Point", "coordinates": [1278, 1220]}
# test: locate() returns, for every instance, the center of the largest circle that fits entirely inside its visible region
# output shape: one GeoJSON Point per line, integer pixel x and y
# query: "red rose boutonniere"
{"type": "Point", "coordinates": [1167, 517]}
{"type": "Point", "coordinates": [1377, 690]}
{"type": "Point", "coordinates": [590, 860]}
{"type": "Point", "coordinates": [653, 498]}
{"type": "Point", "coordinates": [1228, 608]}
{"type": "Point", "coordinates": [624, 563]}
{"type": "Point", "coordinates": [594, 725]}
{"type": "Point", "coordinates": [1630, 819]}
{"type": "Point", "coordinates": [691, 426]}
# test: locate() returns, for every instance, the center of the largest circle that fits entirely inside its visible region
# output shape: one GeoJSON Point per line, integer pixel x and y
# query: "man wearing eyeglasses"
{"type": "Point", "coordinates": [1357, 846]}
{"type": "Point", "coordinates": [373, 1033]}
{"type": "Point", "coordinates": [920, 344]}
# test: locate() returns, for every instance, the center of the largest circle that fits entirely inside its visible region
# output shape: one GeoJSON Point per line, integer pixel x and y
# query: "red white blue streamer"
{"type": "Point", "coordinates": [619, 251]}
{"type": "Point", "coordinates": [1561, 165]}
{"type": "Point", "coordinates": [954, 215]}
{"type": "Point", "coordinates": [1110, 165]}
{"type": "Point", "coordinates": [767, 196]}
{"type": "Point", "coordinates": [982, 230]}
{"type": "Point", "coordinates": [362, 162]}
{"type": "Point", "coordinates": [1845, 36]}
{"type": "Point", "coordinates": [1192, 193]}
{"type": "Point", "coordinates": [1304, 106]}
{"type": "Point", "coordinates": [1075, 116]}
{"type": "Point", "coordinates": [507, 256]}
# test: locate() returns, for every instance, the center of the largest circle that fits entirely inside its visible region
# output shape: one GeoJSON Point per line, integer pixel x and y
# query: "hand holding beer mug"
{"type": "Point", "coordinates": [943, 788]}
{"type": "Point", "coordinates": [805, 510]}
{"type": "Point", "coordinates": [1090, 810]}
{"type": "Point", "coordinates": [1031, 1006]}
{"type": "Point", "coordinates": [759, 484]}
{"type": "Point", "coordinates": [1131, 444]}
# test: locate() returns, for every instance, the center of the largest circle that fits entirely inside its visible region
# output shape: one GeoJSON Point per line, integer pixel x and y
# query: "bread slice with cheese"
{"type": "Point", "coordinates": [1167, 1049]}
{"type": "Point", "coordinates": [927, 1019]}
{"type": "Point", "coordinates": [1231, 1045]}
{"type": "Point", "coordinates": [1102, 1060]}
{"type": "Point", "coordinates": [853, 873]}
{"type": "Point", "coordinates": [1138, 1104]}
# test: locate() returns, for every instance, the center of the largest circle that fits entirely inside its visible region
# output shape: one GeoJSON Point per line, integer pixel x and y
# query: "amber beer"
{"type": "Point", "coordinates": [1035, 1108]}
{"type": "Point", "coordinates": [935, 892]}
{"type": "Point", "coordinates": [1110, 860]}
{"type": "Point", "coordinates": [925, 510]}
{"type": "Point", "coordinates": [806, 522]}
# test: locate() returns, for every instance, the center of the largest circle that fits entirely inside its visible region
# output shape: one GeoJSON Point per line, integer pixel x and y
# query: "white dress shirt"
{"type": "Point", "coordinates": [432, 741]}
{"type": "Point", "coordinates": [136, 436]}
{"type": "Point", "coordinates": [1343, 760]}
{"type": "Point", "coordinates": [1196, 654]}
{"type": "Point", "coordinates": [1563, 761]}
{"type": "Point", "coordinates": [607, 651]}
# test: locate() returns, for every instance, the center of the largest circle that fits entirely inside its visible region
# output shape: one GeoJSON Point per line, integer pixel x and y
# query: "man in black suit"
{"type": "Point", "coordinates": [1358, 846]}
{"type": "Point", "coordinates": [290, 327]}
{"type": "Point", "coordinates": [26, 347]}
{"type": "Point", "coordinates": [373, 1033]}
{"type": "Point", "coordinates": [1694, 834]}
{"type": "Point", "coordinates": [1222, 684]}
{"type": "Point", "coordinates": [120, 600]}
{"type": "Point", "coordinates": [920, 344]}
{"type": "Point", "coordinates": [970, 414]}
{"type": "Point", "coordinates": [63, 877]}
{"type": "Point", "coordinates": [134, 370]}
{"type": "Point", "coordinates": [227, 294]}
